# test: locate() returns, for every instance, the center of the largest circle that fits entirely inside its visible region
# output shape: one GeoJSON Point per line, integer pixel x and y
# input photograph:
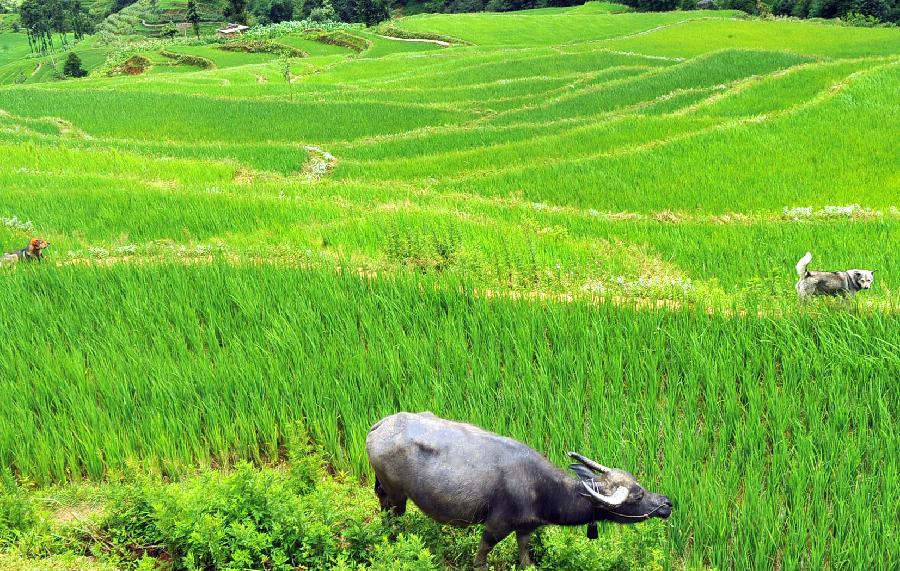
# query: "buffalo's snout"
{"type": "Point", "coordinates": [665, 507]}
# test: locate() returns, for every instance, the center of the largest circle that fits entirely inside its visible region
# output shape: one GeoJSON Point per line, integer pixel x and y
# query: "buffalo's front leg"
{"type": "Point", "coordinates": [389, 502]}
{"type": "Point", "coordinates": [522, 538]}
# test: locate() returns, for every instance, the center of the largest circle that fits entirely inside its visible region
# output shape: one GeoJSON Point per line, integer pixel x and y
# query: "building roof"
{"type": "Point", "coordinates": [232, 28]}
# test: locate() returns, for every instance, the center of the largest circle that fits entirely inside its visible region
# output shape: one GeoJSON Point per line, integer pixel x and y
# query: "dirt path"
{"type": "Point", "coordinates": [441, 43]}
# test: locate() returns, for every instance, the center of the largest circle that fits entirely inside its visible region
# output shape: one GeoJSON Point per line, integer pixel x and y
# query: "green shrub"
{"type": "Point", "coordinates": [247, 519]}
{"type": "Point", "coordinates": [187, 59]}
{"type": "Point", "coordinates": [73, 67]}
{"type": "Point", "coordinates": [17, 516]}
{"type": "Point", "coordinates": [338, 38]}
{"type": "Point", "coordinates": [407, 552]}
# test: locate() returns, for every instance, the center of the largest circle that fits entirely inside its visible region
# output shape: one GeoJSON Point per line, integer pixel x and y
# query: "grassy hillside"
{"type": "Point", "coordinates": [573, 227]}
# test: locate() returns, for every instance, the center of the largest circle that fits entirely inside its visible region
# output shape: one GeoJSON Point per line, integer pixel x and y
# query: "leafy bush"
{"type": "Point", "coordinates": [257, 519]}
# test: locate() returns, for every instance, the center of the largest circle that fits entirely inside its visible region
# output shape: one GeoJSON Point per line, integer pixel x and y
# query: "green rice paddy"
{"type": "Point", "coordinates": [574, 227]}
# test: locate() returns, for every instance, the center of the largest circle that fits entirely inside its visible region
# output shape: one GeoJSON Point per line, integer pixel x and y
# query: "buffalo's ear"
{"type": "Point", "coordinates": [592, 530]}
{"type": "Point", "coordinates": [583, 472]}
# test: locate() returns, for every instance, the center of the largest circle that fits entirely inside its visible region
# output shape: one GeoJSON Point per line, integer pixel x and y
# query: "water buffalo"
{"type": "Point", "coordinates": [462, 475]}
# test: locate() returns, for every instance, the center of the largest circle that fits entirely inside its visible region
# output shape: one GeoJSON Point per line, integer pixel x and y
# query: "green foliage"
{"type": "Point", "coordinates": [17, 516]}
{"type": "Point", "coordinates": [121, 4]}
{"type": "Point", "coordinates": [324, 13]}
{"type": "Point", "coordinates": [860, 20]}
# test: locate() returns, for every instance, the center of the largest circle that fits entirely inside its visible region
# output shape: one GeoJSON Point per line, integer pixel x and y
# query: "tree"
{"type": "Point", "coordinates": [324, 13]}
{"type": "Point", "coordinates": [307, 6]}
{"type": "Point", "coordinates": [320, 11]}
{"type": "Point", "coordinates": [281, 11]}
{"type": "Point", "coordinates": [193, 16]}
{"type": "Point", "coordinates": [236, 11]}
{"type": "Point", "coordinates": [510, 5]}
{"type": "Point", "coordinates": [119, 4]}
{"type": "Point", "coordinates": [877, 8]}
{"type": "Point", "coordinates": [345, 9]}
{"type": "Point", "coordinates": [828, 8]}
{"type": "Point", "coordinates": [35, 17]}
{"type": "Point", "coordinates": [57, 13]}
{"type": "Point", "coordinates": [653, 5]}
{"type": "Point", "coordinates": [73, 68]}
{"type": "Point", "coordinates": [371, 12]}
{"type": "Point", "coordinates": [79, 19]}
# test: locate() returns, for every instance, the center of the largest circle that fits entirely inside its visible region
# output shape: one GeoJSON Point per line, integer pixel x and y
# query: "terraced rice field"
{"type": "Point", "coordinates": [573, 227]}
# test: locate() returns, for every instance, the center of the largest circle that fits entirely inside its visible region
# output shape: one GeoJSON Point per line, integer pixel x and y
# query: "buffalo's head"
{"type": "Point", "coordinates": [617, 494]}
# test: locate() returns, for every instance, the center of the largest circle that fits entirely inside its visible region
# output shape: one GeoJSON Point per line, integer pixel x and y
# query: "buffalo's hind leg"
{"type": "Point", "coordinates": [396, 504]}
{"type": "Point", "coordinates": [489, 539]}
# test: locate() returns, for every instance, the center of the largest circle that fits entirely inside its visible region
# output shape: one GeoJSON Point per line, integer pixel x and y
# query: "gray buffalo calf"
{"type": "Point", "coordinates": [462, 475]}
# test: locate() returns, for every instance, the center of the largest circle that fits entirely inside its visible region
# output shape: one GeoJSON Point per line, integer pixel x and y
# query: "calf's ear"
{"type": "Point", "coordinates": [592, 530]}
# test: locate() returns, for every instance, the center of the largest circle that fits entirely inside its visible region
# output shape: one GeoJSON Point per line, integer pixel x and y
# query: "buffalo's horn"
{"type": "Point", "coordinates": [589, 463]}
{"type": "Point", "coordinates": [613, 500]}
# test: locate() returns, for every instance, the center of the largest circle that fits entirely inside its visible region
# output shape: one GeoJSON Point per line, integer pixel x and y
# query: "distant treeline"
{"type": "Point", "coordinates": [41, 18]}
{"type": "Point", "coordinates": [368, 12]}
{"type": "Point", "coordinates": [457, 6]}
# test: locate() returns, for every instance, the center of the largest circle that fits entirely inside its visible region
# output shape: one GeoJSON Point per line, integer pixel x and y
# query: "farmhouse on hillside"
{"type": "Point", "coordinates": [232, 30]}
